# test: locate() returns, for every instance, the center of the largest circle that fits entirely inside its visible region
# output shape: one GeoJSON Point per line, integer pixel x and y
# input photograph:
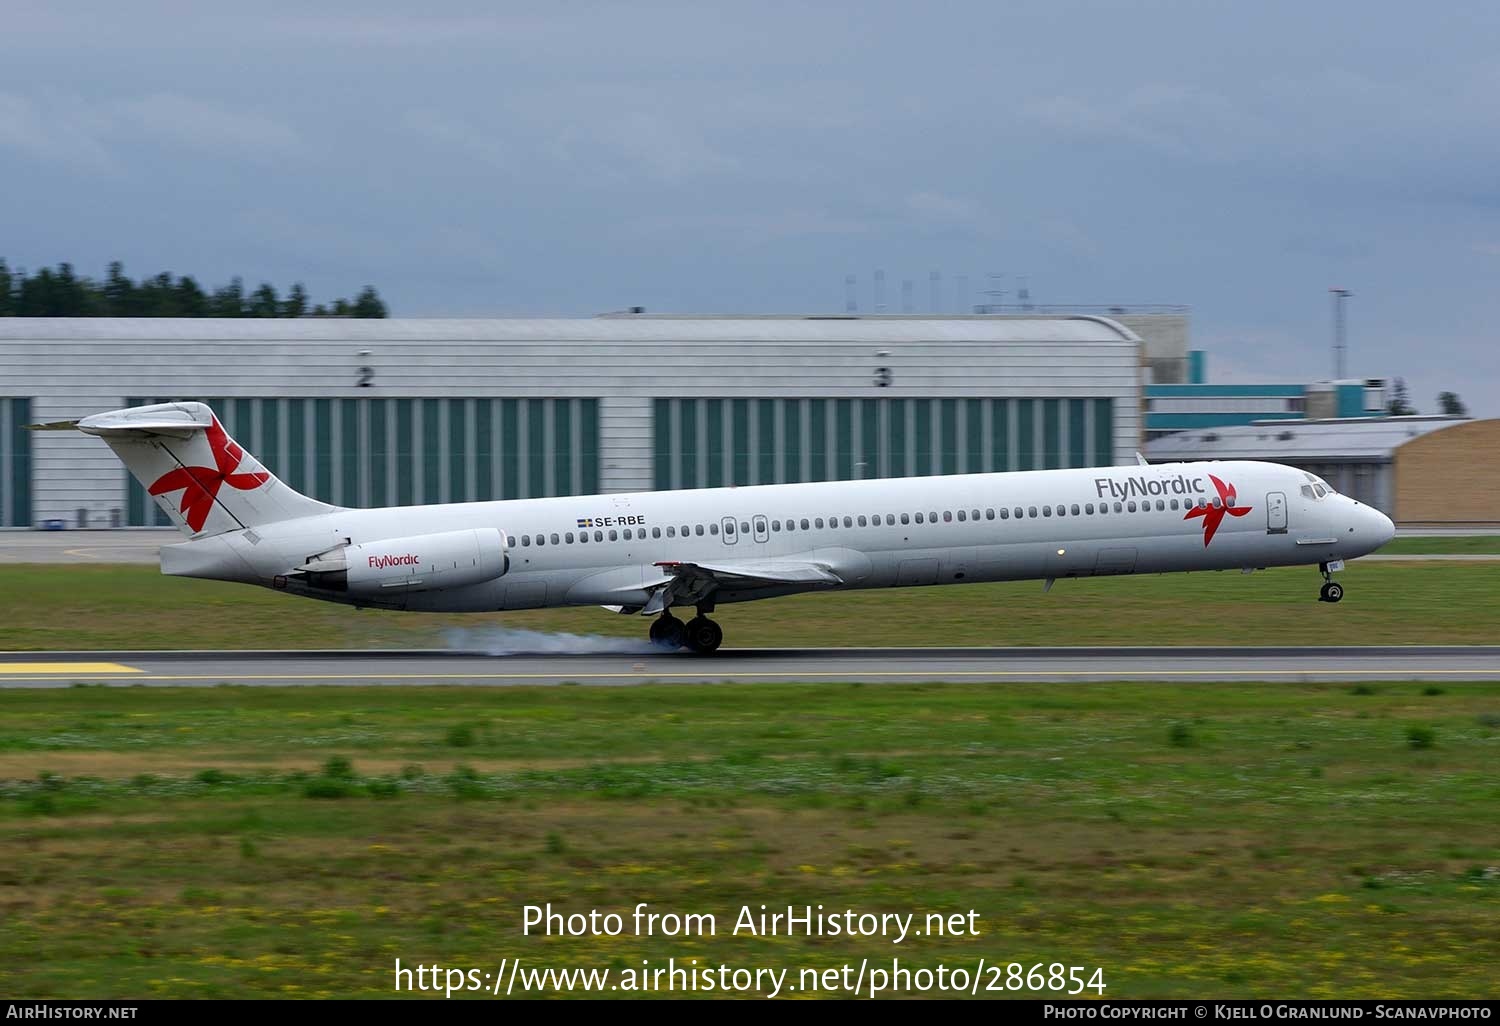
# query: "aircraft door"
{"type": "Point", "coordinates": [1276, 513]}
{"type": "Point", "coordinates": [729, 530]}
{"type": "Point", "coordinates": [762, 532]}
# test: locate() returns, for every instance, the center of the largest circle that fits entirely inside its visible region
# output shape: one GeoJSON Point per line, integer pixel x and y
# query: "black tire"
{"type": "Point", "coordinates": [668, 632]}
{"type": "Point", "coordinates": [703, 635]}
{"type": "Point", "coordinates": [1323, 592]}
{"type": "Point", "coordinates": [1333, 591]}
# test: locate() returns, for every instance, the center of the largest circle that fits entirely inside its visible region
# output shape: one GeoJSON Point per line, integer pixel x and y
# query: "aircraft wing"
{"type": "Point", "coordinates": [684, 583]}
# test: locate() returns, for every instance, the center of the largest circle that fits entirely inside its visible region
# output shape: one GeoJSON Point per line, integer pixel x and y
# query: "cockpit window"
{"type": "Point", "coordinates": [1316, 488]}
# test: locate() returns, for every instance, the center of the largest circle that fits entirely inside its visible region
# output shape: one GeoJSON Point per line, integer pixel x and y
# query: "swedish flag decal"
{"type": "Point", "coordinates": [585, 521]}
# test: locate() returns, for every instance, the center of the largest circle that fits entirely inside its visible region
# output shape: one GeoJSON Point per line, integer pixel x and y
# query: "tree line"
{"type": "Point", "coordinates": [1400, 404]}
{"type": "Point", "coordinates": [60, 292]}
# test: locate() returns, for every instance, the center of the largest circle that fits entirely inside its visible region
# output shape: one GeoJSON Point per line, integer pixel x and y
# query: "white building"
{"type": "Point", "coordinates": [374, 412]}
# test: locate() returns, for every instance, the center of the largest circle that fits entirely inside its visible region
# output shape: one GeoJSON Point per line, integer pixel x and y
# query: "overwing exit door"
{"type": "Point", "coordinates": [762, 532]}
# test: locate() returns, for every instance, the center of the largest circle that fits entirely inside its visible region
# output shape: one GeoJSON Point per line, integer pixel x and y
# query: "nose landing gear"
{"type": "Point", "coordinates": [1331, 591]}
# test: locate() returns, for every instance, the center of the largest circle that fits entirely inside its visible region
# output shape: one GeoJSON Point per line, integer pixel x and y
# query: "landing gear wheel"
{"type": "Point", "coordinates": [667, 632]}
{"type": "Point", "coordinates": [1331, 592]}
{"type": "Point", "coordinates": [703, 635]}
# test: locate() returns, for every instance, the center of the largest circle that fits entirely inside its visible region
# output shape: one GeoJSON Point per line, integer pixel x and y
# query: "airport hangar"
{"type": "Point", "coordinates": [377, 412]}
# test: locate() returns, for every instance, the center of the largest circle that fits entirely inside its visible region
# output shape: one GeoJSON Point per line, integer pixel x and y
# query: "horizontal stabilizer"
{"type": "Point", "coordinates": [173, 420]}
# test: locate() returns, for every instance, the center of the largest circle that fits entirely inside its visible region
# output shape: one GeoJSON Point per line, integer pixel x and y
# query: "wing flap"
{"type": "Point", "coordinates": [752, 572]}
{"type": "Point", "coordinates": [691, 583]}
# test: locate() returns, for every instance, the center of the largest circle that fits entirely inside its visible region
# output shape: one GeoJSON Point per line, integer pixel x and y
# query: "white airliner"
{"type": "Point", "coordinates": [657, 552]}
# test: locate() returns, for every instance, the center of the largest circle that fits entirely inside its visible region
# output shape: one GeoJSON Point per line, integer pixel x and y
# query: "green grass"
{"type": "Point", "coordinates": [115, 607]}
{"type": "Point", "coordinates": [1480, 545]}
{"type": "Point", "coordinates": [1229, 839]}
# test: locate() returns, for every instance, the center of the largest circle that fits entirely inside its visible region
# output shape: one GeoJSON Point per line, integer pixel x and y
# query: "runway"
{"type": "Point", "coordinates": [866, 665]}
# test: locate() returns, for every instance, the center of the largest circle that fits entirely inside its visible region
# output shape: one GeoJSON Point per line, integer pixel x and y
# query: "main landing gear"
{"type": "Point", "coordinates": [700, 634]}
{"type": "Point", "coordinates": [1331, 590]}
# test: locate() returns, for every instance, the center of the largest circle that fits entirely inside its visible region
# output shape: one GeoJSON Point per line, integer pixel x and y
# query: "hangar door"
{"type": "Point", "coordinates": [15, 463]}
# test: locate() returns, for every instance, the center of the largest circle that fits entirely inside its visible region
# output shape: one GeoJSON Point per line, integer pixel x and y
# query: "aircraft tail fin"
{"type": "Point", "coordinates": [203, 479]}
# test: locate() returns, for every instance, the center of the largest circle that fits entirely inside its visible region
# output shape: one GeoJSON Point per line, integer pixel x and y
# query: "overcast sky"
{"type": "Point", "coordinates": [569, 158]}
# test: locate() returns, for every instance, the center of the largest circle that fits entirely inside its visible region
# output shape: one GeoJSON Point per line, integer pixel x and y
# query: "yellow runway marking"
{"type": "Point", "coordinates": [795, 675]}
{"type": "Point", "coordinates": [35, 668]}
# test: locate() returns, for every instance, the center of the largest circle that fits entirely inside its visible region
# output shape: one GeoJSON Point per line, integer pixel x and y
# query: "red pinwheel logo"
{"type": "Point", "coordinates": [200, 485]}
{"type": "Point", "coordinates": [1213, 516]}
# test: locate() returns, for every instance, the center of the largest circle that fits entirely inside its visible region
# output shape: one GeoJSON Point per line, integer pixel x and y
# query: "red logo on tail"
{"type": "Point", "coordinates": [1213, 516]}
{"type": "Point", "coordinates": [200, 485]}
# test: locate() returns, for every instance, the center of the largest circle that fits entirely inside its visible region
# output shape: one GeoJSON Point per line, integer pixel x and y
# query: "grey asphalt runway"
{"type": "Point", "coordinates": [869, 665]}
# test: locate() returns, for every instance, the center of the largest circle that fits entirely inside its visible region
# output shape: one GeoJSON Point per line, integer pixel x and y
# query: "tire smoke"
{"type": "Point", "coordinates": [508, 641]}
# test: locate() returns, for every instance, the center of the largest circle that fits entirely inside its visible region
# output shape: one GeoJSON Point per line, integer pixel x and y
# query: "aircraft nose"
{"type": "Point", "coordinates": [1382, 528]}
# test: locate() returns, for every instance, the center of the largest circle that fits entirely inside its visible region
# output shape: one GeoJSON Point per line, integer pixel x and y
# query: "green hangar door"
{"type": "Point", "coordinates": [15, 463]}
{"type": "Point", "coordinates": [709, 443]}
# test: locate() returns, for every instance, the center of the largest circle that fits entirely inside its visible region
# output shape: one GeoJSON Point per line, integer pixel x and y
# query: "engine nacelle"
{"type": "Point", "coordinates": [419, 562]}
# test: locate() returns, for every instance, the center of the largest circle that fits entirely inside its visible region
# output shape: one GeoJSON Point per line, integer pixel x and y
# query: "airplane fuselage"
{"type": "Point", "coordinates": [610, 549]}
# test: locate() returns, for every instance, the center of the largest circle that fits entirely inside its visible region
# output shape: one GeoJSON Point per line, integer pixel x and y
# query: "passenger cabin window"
{"type": "Point", "coordinates": [598, 536]}
{"type": "Point", "coordinates": [804, 524]}
{"type": "Point", "coordinates": [1130, 505]}
{"type": "Point", "coordinates": [1119, 508]}
{"type": "Point", "coordinates": [1004, 513]}
{"type": "Point", "coordinates": [932, 516]}
{"type": "Point", "coordinates": [671, 531]}
{"type": "Point", "coordinates": [526, 540]}
{"type": "Point", "coordinates": [1075, 509]}
{"type": "Point", "coordinates": [569, 537]}
{"type": "Point", "coordinates": [989, 514]}
{"type": "Point", "coordinates": [919, 518]}
{"type": "Point", "coordinates": [1089, 508]}
{"type": "Point", "coordinates": [947, 516]}
{"type": "Point", "coordinates": [1031, 511]}
{"type": "Point", "coordinates": [849, 521]}
{"type": "Point", "coordinates": [862, 520]}
{"type": "Point", "coordinates": [962, 516]}
{"type": "Point", "coordinates": [906, 518]}
{"type": "Point", "coordinates": [656, 532]}
{"type": "Point", "coordinates": [583, 537]}
{"type": "Point", "coordinates": [614, 535]}
{"type": "Point", "coordinates": [713, 529]}
{"type": "Point", "coordinates": [698, 530]}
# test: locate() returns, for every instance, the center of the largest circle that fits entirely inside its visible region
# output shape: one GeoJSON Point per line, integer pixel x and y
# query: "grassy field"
{"type": "Point", "coordinates": [1479, 545]}
{"type": "Point", "coordinates": [1227, 840]}
{"type": "Point", "coordinates": [131, 607]}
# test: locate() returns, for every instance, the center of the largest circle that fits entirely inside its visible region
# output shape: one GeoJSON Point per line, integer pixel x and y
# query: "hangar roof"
{"type": "Point", "coordinates": [1350, 438]}
{"type": "Point", "coordinates": [573, 329]}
